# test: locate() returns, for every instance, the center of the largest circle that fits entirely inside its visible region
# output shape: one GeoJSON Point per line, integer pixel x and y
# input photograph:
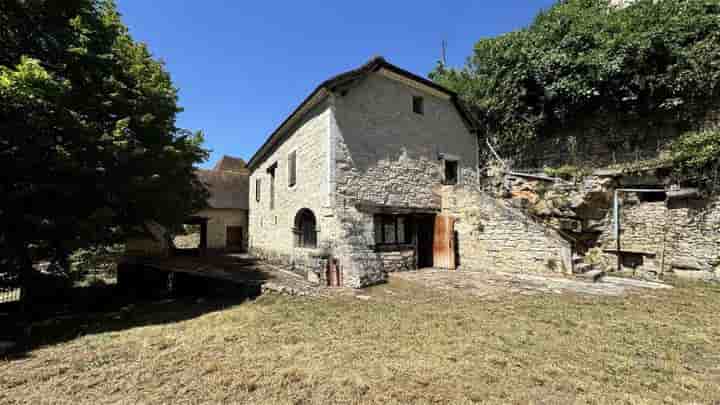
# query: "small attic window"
{"type": "Point", "coordinates": [418, 105]}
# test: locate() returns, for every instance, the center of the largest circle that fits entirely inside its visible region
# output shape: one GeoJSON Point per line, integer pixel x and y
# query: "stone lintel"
{"type": "Point", "coordinates": [375, 208]}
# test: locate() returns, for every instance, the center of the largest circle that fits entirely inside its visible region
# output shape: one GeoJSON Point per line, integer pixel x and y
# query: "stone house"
{"type": "Point", "coordinates": [227, 217]}
{"type": "Point", "coordinates": [377, 171]}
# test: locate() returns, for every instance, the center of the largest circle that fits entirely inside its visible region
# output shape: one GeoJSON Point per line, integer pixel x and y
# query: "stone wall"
{"type": "Point", "coordinates": [679, 236]}
{"type": "Point", "coordinates": [271, 229]}
{"type": "Point", "coordinates": [219, 220]}
{"type": "Point", "coordinates": [596, 142]}
{"type": "Point", "coordinates": [601, 142]}
{"type": "Point", "coordinates": [397, 258]}
{"type": "Point", "coordinates": [493, 235]}
{"type": "Point", "coordinates": [388, 156]}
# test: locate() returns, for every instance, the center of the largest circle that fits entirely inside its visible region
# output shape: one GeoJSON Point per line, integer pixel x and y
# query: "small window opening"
{"type": "Point", "coordinates": [258, 183]}
{"type": "Point", "coordinates": [451, 172]}
{"type": "Point", "coordinates": [292, 169]}
{"type": "Point", "coordinates": [271, 172]}
{"type": "Point", "coordinates": [418, 105]}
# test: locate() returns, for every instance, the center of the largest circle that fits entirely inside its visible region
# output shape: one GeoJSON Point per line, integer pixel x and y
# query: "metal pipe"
{"type": "Point", "coordinates": [487, 141]}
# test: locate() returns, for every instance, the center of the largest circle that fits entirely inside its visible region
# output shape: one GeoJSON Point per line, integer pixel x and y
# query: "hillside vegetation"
{"type": "Point", "coordinates": [583, 58]}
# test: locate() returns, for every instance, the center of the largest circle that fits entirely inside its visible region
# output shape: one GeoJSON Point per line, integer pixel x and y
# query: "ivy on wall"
{"type": "Point", "coordinates": [583, 58]}
{"type": "Point", "coordinates": [696, 156]}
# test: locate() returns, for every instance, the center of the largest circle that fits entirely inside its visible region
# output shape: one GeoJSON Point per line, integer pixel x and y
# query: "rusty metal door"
{"type": "Point", "coordinates": [444, 243]}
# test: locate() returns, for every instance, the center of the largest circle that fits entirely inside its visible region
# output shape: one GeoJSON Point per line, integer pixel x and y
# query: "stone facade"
{"type": "Point", "coordinates": [494, 235]}
{"type": "Point", "coordinates": [661, 233]}
{"type": "Point", "coordinates": [676, 236]}
{"type": "Point", "coordinates": [386, 155]}
{"type": "Point", "coordinates": [218, 222]}
{"type": "Point", "coordinates": [271, 230]}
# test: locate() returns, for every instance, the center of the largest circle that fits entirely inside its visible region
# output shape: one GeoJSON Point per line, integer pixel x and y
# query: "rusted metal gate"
{"type": "Point", "coordinates": [444, 243]}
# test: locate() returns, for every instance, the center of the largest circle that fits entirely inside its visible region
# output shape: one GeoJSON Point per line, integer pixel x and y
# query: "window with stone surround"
{"type": "Point", "coordinates": [393, 230]}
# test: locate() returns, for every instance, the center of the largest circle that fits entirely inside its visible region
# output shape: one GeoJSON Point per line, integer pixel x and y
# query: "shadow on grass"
{"type": "Point", "coordinates": [79, 311]}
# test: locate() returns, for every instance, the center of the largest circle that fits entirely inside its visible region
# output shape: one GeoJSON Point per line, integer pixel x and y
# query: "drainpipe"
{"type": "Point", "coordinates": [616, 215]}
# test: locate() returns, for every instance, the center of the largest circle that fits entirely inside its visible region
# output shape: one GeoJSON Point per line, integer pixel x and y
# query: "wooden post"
{"type": "Point", "coordinates": [203, 238]}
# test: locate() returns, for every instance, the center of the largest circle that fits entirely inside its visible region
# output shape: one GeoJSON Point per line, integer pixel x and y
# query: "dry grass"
{"type": "Point", "coordinates": [404, 345]}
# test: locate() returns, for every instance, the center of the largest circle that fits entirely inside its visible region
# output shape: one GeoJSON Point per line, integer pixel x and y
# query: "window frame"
{"type": "Point", "coordinates": [382, 220]}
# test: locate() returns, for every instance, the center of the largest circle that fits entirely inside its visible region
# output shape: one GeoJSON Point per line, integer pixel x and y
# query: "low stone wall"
{"type": "Point", "coordinates": [492, 235]}
{"type": "Point", "coordinates": [303, 262]}
{"type": "Point", "coordinates": [397, 258]}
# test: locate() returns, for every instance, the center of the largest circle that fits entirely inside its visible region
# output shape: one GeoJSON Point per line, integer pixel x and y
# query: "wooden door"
{"type": "Point", "coordinates": [444, 243]}
{"type": "Point", "coordinates": [234, 237]}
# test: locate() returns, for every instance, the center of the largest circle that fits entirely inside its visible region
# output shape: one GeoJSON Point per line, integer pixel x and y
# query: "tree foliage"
{"type": "Point", "coordinates": [88, 141]}
{"type": "Point", "coordinates": [582, 57]}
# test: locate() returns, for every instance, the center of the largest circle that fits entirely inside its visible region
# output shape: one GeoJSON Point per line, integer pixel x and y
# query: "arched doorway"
{"type": "Point", "coordinates": [305, 229]}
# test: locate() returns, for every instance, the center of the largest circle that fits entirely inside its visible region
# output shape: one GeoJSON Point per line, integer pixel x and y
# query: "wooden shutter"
{"type": "Point", "coordinates": [443, 243]}
{"type": "Point", "coordinates": [292, 168]}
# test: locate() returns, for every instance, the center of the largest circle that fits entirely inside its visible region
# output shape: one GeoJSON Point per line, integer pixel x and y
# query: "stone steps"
{"type": "Point", "coordinates": [586, 271]}
{"type": "Point", "coordinates": [595, 276]}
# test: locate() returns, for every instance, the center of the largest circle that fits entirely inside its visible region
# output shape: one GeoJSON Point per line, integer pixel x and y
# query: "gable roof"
{"type": "Point", "coordinates": [229, 163]}
{"type": "Point", "coordinates": [228, 183]}
{"type": "Point", "coordinates": [328, 86]}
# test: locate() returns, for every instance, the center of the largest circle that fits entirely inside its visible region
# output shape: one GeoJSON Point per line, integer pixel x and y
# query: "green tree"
{"type": "Point", "coordinates": [89, 146]}
{"type": "Point", "coordinates": [582, 57]}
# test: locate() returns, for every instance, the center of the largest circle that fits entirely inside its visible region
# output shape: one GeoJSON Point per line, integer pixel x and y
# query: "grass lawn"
{"type": "Point", "coordinates": [405, 344]}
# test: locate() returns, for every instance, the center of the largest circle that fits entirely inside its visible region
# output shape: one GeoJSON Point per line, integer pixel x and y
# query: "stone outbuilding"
{"type": "Point", "coordinates": [227, 216]}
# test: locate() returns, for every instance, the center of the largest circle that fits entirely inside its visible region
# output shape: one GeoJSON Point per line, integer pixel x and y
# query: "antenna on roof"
{"type": "Point", "coordinates": [443, 56]}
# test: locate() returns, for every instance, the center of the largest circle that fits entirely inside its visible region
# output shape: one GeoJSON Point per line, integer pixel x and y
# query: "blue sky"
{"type": "Point", "coordinates": [242, 66]}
